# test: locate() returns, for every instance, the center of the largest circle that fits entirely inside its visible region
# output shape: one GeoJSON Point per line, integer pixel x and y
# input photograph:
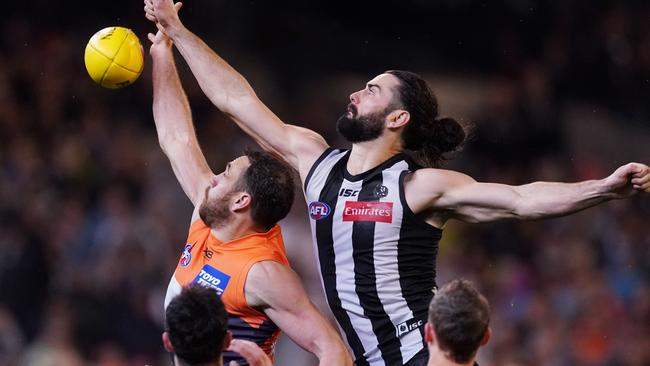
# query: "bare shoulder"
{"type": "Point", "coordinates": [425, 186]}
{"type": "Point", "coordinates": [268, 282]}
{"type": "Point", "coordinates": [435, 180]}
{"type": "Point", "coordinates": [308, 146]}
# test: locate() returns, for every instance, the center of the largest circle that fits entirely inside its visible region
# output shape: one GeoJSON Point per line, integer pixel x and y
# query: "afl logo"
{"type": "Point", "coordinates": [186, 257]}
{"type": "Point", "coordinates": [319, 210]}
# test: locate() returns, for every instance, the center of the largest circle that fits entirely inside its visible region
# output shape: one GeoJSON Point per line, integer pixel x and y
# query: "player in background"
{"type": "Point", "coordinates": [234, 244]}
{"type": "Point", "coordinates": [459, 318]}
{"type": "Point", "coordinates": [377, 210]}
{"type": "Point", "coordinates": [196, 331]}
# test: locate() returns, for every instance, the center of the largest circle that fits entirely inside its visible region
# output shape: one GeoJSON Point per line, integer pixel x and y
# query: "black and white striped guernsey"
{"type": "Point", "coordinates": [376, 257]}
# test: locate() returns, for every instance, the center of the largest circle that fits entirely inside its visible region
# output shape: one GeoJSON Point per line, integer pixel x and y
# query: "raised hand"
{"type": "Point", "coordinates": [164, 13]}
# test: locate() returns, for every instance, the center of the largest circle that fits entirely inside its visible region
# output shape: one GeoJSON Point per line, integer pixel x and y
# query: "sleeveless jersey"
{"type": "Point", "coordinates": [376, 257]}
{"type": "Point", "coordinates": [224, 266]}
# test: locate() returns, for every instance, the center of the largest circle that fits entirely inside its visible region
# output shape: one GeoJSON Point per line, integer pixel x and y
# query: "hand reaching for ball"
{"type": "Point", "coordinates": [164, 13]}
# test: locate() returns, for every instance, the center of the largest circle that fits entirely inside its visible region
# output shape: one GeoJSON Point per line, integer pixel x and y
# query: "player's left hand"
{"type": "Point", "coordinates": [250, 351]}
{"type": "Point", "coordinates": [629, 179]}
{"type": "Point", "coordinates": [159, 41]}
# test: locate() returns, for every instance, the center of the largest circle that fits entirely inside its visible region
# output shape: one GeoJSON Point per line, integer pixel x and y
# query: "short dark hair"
{"type": "Point", "coordinates": [197, 322]}
{"type": "Point", "coordinates": [429, 137]}
{"type": "Point", "coordinates": [460, 316]}
{"type": "Point", "coordinates": [270, 183]}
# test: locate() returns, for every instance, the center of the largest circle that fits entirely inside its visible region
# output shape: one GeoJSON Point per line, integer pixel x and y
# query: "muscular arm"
{"type": "Point", "coordinates": [232, 94]}
{"type": "Point", "coordinates": [288, 306]}
{"type": "Point", "coordinates": [173, 119]}
{"type": "Point", "coordinates": [461, 197]}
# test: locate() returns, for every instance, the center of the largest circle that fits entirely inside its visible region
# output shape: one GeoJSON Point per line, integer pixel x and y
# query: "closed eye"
{"type": "Point", "coordinates": [373, 88]}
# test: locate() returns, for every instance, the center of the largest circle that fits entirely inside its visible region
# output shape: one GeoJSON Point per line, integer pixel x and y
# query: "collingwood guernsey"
{"type": "Point", "coordinates": [376, 257]}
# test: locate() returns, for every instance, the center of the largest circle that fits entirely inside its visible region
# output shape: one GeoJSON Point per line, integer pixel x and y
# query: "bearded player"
{"type": "Point", "coordinates": [234, 244]}
{"type": "Point", "coordinates": [377, 210]}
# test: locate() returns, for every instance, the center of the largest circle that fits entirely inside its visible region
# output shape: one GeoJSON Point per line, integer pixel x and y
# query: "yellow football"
{"type": "Point", "coordinates": [114, 57]}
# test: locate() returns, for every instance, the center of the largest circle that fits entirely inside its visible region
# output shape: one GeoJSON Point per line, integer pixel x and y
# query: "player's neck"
{"type": "Point", "coordinates": [367, 155]}
{"type": "Point", "coordinates": [179, 362]}
{"type": "Point", "coordinates": [234, 230]}
{"type": "Point", "coordinates": [438, 358]}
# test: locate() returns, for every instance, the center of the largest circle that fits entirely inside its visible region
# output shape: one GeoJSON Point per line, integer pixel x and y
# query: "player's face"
{"type": "Point", "coordinates": [366, 115]}
{"type": "Point", "coordinates": [215, 208]}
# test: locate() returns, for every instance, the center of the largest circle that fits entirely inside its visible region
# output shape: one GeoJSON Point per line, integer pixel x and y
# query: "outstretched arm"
{"type": "Point", "coordinates": [288, 306]}
{"type": "Point", "coordinates": [173, 118]}
{"type": "Point", "coordinates": [459, 196]}
{"type": "Point", "coordinates": [232, 94]}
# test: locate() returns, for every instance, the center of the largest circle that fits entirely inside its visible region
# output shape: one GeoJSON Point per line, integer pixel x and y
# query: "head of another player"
{"type": "Point", "coordinates": [196, 327]}
{"type": "Point", "coordinates": [256, 185]}
{"type": "Point", "coordinates": [401, 102]}
{"type": "Point", "coordinates": [459, 318]}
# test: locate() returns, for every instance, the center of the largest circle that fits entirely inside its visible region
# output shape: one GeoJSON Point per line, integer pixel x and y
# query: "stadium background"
{"type": "Point", "coordinates": [92, 220]}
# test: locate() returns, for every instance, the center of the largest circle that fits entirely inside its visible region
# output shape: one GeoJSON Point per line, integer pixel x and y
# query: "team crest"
{"type": "Point", "coordinates": [186, 256]}
{"type": "Point", "coordinates": [381, 191]}
{"type": "Point", "coordinates": [319, 210]}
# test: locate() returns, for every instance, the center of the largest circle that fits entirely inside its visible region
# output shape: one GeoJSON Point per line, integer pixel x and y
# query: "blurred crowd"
{"type": "Point", "coordinates": [92, 220]}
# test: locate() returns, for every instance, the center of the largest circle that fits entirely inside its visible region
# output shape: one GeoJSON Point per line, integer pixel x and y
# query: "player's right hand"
{"type": "Point", "coordinates": [250, 351]}
{"type": "Point", "coordinates": [164, 13]}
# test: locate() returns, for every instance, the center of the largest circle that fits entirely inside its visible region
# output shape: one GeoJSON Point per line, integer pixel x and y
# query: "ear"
{"type": "Point", "coordinates": [240, 201]}
{"type": "Point", "coordinates": [486, 336]}
{"type": "Point", "coordinates": [167, 343]}
{"type": "Point", "coordinates": [429, 335]}
{"type": "Point", "coordinates": [226, 340]}
{"type": "Point", "coordinates": [397, 118]}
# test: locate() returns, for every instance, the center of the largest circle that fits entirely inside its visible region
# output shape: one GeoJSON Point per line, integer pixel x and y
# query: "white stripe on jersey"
{"type": "Point", "coordinates": [345, 284]}
{"type": "Point", "coordinates": [174, 288]}
{"type": "Point", "coordinates": [385, 256]}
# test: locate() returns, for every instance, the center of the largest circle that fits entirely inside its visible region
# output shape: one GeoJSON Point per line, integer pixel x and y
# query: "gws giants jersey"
{"type": "Point", "coordinates": [206, 261]}
{"type": "Point", "coordinates": [376, 257]}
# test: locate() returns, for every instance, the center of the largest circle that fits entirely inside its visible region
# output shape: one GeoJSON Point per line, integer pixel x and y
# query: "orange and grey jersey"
{"type": "Point", "coordinates": [224, 266]}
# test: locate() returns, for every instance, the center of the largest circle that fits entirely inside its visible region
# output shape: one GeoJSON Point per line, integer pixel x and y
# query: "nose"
{"type": "Point", "coordinates": [214, 180]}
{"type": "Point", "coordinates": [354, 97]}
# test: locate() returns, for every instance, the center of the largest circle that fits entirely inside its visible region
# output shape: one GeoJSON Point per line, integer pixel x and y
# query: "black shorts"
{"type": "Point", "coordinates": [420, 359]}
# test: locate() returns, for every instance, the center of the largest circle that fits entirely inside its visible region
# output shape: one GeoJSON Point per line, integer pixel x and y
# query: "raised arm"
{"type": "Point", "coordinates": [456, 195]}
{"type": "Point", "coordinates": [287, 304]}
{"type": "Point", "coordinates": [232, 94]}
{"type": "Point", "coordinates": [173, 118]}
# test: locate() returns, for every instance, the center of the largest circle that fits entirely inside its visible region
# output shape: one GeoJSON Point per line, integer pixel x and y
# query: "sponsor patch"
{"type": "Point", "coordinates": [408, 326]}
{"type": "Point", "coordinates": [186, 256]}
{"type": "Point", "coordinates": [212, 277]}
{"type": "Point", "coordinates": [368, 211]}
{"type": "Point", "coordinates": [319, 210]}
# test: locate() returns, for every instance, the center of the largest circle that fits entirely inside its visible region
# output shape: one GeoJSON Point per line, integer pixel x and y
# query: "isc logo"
{"type": "Point", "coordinates": [408, 326]}
{"type": "Point", "coordinates": [319, 210]}
{"type": "Point", "coordinates": [348, 192]}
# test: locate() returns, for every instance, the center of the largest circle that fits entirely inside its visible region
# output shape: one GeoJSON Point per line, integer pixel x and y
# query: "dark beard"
{"type": "Point", "coordinates": [361, 129]}
{"type": "Point", "coordinates": [216, 213]}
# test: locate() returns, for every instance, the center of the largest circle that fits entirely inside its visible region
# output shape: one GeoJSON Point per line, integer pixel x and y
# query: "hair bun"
{"type": "Point", "coordinates": [448, 134]}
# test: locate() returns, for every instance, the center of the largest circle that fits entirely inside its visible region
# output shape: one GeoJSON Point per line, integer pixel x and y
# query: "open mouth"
{"type": "Point", "coordinates": [352, 110]}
